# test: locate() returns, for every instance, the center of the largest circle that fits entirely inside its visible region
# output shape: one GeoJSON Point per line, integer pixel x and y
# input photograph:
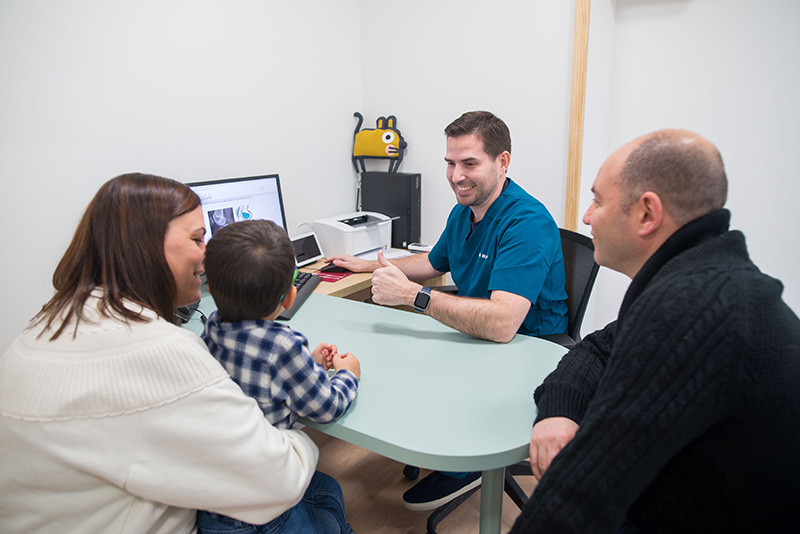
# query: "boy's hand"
{"type": "Point", "coordinates": [347, 361]}
{"type": "Point", "coordinates": [324, 354]}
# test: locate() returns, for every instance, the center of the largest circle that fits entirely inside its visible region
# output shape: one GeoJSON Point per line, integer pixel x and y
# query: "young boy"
{"type": "Point", "coordinates": [250, 269]}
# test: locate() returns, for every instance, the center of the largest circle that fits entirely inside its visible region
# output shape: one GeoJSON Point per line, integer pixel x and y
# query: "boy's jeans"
{"type": "Point", "coordinates": [320, 511]}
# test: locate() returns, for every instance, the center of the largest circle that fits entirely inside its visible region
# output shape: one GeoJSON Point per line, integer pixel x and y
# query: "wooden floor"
{"type": "Point", "coordinates": [373, 488]}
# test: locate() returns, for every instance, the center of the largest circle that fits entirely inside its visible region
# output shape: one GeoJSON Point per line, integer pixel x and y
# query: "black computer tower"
{"type": "Point", "coordinates": [396, 195]}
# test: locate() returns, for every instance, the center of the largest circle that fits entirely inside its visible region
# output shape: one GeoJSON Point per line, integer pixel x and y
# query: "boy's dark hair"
{"type": "Point", "coordinates": [249, 265]}
{"type": "Point", "coordinates": [490, 129]}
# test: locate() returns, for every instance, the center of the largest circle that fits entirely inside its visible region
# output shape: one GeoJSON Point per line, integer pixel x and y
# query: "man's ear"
{"type": "Point", "coordinates": [505, 159]}
{"type": "Point", "coordinates": [288, 299]}
{"type": "Point", "coordinates": [651, 213]}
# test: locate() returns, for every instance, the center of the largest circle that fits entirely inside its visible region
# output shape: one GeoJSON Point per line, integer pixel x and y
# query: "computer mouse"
{"type": "Point", "coordinates": [331, 268]}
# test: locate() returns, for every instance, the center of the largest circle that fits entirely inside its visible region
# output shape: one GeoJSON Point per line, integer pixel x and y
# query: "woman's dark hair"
{"type": "Point", "coordinates": [249, 266]}
{"type": "Point", "coordinates": [119, 245]}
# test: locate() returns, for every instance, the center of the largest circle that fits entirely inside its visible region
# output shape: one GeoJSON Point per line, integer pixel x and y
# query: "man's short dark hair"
{"type": "Point", "coordinates": [249, 265]}
{"type": "Point", "coordinates": [491, 130]}
{"type": "Point", "coordinates": [683, 169]}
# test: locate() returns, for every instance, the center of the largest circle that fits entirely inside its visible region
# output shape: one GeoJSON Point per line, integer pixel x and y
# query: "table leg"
{"type": "Point", "coordinates": [492, 500]}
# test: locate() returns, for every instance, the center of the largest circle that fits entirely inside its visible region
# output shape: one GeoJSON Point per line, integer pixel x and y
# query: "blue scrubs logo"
{"type": "Point", "coordinates": [483, 256]}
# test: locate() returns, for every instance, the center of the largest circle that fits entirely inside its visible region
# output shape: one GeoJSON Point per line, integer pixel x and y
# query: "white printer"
{"type": "Point", "coordinates": [354, 233]}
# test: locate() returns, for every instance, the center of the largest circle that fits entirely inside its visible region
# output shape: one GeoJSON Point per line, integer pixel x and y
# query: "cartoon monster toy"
{"type": "Point", "coordinates": [382, 142]}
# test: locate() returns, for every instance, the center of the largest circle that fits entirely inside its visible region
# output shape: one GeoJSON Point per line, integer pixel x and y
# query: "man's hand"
{"type": "Point", "coordinates": [390, 287]}
{"type": "Point", "coordinates": [353, 264]}
{"type": "Point", "coordinates": [549, 436]}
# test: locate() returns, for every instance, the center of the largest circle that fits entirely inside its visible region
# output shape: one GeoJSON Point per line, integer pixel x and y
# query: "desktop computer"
{"type": "Point", "coordinates": [396, 194]}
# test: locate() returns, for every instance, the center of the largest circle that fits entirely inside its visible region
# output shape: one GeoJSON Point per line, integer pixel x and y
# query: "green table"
{"type": "Point", "coordinates": [429, 395]}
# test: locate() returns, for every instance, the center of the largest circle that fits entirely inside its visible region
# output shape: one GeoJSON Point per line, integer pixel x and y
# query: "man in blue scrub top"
{"type": "Point", "coordinates": [503, 250]}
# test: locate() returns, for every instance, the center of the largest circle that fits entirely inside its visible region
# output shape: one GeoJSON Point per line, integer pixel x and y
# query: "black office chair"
{"type": "Point", "coordinates": [581, 271]}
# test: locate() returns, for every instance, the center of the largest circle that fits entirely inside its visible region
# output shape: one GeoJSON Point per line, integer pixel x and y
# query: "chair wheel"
{"type": "Point", "coordinates": [411, 472]}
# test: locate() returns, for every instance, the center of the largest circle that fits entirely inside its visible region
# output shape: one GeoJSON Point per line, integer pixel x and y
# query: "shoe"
{"type": "Point", "coordinates": [437, 489]}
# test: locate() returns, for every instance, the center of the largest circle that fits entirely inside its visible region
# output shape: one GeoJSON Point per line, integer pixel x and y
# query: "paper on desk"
{"type": "Point", "coordinates": [389, 253]}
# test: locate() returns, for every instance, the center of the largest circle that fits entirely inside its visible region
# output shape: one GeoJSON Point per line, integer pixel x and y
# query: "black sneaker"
{"type": "Point", "coordinates": [437, 489]}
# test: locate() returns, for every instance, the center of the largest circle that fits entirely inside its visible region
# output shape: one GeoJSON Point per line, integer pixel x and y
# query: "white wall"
{"type": "Point", "coordinates": [192, 90]}
{"type": "Point", "coordinates": [727, 69]}
{"type": "Point", "coordinates": [428, 62]}
{"type": "Point", "coordinates": [203, 89]}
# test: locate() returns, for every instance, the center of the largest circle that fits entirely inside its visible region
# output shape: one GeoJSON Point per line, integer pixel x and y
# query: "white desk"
{"type": "Point", "coordinates": [431, 396]}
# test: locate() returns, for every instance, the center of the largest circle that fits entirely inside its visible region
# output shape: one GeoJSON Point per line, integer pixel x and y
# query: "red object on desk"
{"type": "Point", "coordinates": [332, 277]}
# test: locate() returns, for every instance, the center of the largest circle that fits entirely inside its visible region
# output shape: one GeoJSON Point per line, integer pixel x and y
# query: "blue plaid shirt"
{"type": "Point", "coordinates": [273, 364]}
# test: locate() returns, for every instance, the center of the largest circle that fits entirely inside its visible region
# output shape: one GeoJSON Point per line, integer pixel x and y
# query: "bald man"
{"type": "Point", "coordinates": [683, 415]}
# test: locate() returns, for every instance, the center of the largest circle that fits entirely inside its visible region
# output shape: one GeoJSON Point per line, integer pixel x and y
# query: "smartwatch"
{"type": "Point", "coordinates": [422, 299]}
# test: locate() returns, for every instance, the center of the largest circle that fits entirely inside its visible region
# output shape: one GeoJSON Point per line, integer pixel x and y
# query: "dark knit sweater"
{"type": "Point", "coordinates": [688, 404]}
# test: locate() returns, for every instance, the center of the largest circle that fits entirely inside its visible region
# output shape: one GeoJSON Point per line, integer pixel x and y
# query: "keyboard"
{"type": "Point", "coordinates": [305, 284]}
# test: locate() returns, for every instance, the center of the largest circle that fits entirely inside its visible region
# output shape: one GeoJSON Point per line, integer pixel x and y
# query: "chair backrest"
{"type": "Point", "coordinates": [581, 272]}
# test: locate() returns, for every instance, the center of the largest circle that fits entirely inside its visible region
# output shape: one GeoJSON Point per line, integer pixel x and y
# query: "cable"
{"type": "Point", "coordinates": [358, 191]}
{"type": "Point", "coordinates": [304, 223]}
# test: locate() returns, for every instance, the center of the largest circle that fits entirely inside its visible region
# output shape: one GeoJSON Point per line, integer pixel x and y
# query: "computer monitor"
{"type": "Point", "coordinates": [240, 199]}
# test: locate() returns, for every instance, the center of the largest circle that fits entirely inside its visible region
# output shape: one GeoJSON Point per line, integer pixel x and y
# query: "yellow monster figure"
{"type": "Point", "coordinates": [382, 142]}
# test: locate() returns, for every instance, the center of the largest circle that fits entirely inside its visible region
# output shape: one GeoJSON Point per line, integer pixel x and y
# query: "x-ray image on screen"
{"type": "Point", "coordinates": [240, 199]}
{"type": "Point", "coordinates": [219, 218]}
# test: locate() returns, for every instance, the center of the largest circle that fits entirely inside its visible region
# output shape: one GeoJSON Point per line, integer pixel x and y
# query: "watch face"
{"type": "Point", "coordinates": [421, 301]}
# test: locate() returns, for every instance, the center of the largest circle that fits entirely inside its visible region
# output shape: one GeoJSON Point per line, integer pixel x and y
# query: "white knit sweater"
{"type": "Point", "coordinates": [128, 428]}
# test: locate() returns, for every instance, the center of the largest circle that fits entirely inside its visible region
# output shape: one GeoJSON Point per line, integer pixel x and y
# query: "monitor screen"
{"type": "Point", "coordinates": [240, 199]}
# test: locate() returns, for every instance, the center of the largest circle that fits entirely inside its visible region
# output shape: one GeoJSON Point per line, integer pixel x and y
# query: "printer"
{"type": "Point", "coordinates": [354, 233]}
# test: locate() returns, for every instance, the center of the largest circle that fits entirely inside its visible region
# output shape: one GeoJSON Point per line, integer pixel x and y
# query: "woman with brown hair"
{"type": "Point", "coordinates": [113, 418]}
